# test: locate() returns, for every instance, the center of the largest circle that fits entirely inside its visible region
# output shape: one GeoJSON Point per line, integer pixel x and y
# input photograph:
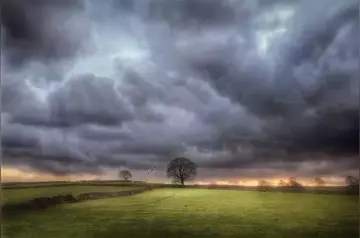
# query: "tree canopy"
{"type": "Point", "coordinates": [352, 181]}
{"type": "Point", "coordinates": [125, 174]}
{"type": "Point", "coordinates": [293, 183]}
{"type": "Point", "coordinates": [181, 169]}
{"type": "Point", "coordinates": [319, 181]}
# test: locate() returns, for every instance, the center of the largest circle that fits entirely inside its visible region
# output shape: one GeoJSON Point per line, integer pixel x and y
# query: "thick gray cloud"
{"type": "Point", "coordinates": [33, 31]}
{"type": "Point", "coordinates": [231, 84]}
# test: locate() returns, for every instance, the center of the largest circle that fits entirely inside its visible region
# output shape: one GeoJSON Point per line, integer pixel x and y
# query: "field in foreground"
{"type": "Point", "coordinates": [18, 195]}
{"type": "Point", "coordinates": [194, 213]}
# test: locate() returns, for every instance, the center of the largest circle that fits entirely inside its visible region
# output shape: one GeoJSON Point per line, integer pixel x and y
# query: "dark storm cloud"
{"type": "Point", "coordinates": [230, 84]}
{"type": "Point", "coordinates": [181, 12]}
{"type": "Point", "coordinates": [17, 138]}
{"type": "Point", "coordinates": [280, 170]}
{"type": "Point", "coordinates": [198, 11]}
{"type": "Point", "coordinates": [314, 40]}
{"type": "Point", "coordinates": [331, 128]}
{"type": "Point", "coordinates": [88, 100]}
{"type": "Point", "coordinates": [32, 30]}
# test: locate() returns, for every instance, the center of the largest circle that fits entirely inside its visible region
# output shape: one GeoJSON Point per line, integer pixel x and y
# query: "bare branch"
{"type": "Point", "coordinates": [181, 169]}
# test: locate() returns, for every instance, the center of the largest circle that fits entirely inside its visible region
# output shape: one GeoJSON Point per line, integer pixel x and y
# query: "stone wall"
{"type": "Point", "coordinates": [44, 202]}
{"type": "Point", "coordinates": [91, 196]}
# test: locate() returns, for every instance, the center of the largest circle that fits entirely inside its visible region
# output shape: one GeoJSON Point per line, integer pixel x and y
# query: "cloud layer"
{"type": "Point", "coordinates": [247, 85]}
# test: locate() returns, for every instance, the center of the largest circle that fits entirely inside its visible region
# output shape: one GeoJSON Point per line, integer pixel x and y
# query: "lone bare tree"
{"type": "Point", "coordinates": [125, 174]}
{"type": "Point", "coordinates": [181, 169]}
{"type": "Point", "coordinates": [320, 182]}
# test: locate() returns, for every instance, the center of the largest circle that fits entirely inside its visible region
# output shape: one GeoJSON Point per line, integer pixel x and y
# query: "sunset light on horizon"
{"type": "Point", "coordinates": [9, 174]}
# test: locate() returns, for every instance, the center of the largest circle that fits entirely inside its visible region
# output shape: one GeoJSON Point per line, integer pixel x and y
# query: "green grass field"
{"type": "Point", "coordinates": [187, 213]}
{"type": "Point", "coordinates": [18, 195]}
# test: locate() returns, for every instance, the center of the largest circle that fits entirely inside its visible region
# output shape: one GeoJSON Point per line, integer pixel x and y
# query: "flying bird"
{"type": "Point", "coordinates": [151, 170]}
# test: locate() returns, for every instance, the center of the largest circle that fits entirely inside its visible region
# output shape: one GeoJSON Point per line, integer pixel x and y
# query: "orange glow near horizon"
{"type": "Point", "coordinates": [330, 181]}
{"type": "Point", "coordinates": [28, 175]}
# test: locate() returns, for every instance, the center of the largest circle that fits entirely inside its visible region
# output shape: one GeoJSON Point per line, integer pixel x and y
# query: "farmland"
{"type": "Point", "coordinates": [189, 212]}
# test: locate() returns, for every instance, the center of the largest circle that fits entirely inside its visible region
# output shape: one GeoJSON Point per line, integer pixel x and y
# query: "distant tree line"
{"type": "Point", "coordinates": [352, 184]}
{"type": "Point", "coordinates": [292, 183]}
{"type": "Point", "coordinates": [181, 169]}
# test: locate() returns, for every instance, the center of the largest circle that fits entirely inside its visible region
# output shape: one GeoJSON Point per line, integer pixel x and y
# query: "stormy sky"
{"type": "Point", "coordinates": [242, 88]}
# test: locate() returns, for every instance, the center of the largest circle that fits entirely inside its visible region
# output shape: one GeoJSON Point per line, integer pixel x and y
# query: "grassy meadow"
{"type": "Point", "coordinates": [193, 212]}
{"type": "Point", "coordinates": [17, 195]}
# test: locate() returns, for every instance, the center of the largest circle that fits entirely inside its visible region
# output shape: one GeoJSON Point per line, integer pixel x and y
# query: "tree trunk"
{"type": "Point", "coordinates": [182, 182]}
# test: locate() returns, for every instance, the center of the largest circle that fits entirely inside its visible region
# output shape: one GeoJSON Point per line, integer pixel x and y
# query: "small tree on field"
{"type": "Point", "coordinates": [181, 169]}
{"type": "Point", "coordinates": [352, 184]}
{"type": "Point", "coordinates": [125, 174]}
{"type": "Point", "coordinates": [264, 185]}
{"type": "Point", "coordinates": [320, 182]}
{"type": "Point", "coordinates": [282, 183]}
{"type": "Point", "coordinates": [293, 183]}
{"type": "Point", "coordinates": [351, 181]}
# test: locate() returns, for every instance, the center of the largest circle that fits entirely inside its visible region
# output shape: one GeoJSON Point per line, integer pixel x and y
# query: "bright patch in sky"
{"type": "Point", "coordinates": [272, 26]}
{"type": "Point", "coordinates": [265, 38]}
